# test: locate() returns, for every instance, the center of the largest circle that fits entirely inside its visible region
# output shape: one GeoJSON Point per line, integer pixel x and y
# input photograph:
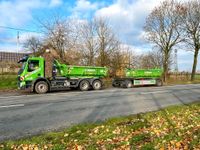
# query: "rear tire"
{"type": "Point", "coordinates": [97, 84]}
{"type": "Point", "coordinates": [115, 84]}
{"type": "Point", "coordinates": [129, 84]}
{"type": "Point", "coordinates": [84, 85]}
{"type": "Point", "coordinates": [41, 87]}
{"type": "Point", "coordinates": [159, 83]}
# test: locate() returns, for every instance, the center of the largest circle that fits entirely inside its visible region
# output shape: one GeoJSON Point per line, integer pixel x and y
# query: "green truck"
{"type": "Point", "coordinates": [32, 75]}
{"type": "Point", "coordinates": [139, 77]}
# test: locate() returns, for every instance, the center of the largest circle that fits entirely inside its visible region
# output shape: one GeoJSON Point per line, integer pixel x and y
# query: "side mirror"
{"type": "Point", "coordinates": [23, 59]}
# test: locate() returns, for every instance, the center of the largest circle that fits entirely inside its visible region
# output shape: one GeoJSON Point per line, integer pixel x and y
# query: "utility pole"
{"type": "Point", "coordinates": [17, 41]}
{"type": "Point", "coordinates": [129, 57]}
{"type": "Point", "coordinates": [175, 61]}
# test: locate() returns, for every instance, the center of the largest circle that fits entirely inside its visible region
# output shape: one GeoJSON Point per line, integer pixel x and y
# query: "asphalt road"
{"type": "Point", "coordinates": [26, 115]}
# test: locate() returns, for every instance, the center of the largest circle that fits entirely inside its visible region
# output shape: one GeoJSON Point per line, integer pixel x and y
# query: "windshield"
{"type": "Point", "coordinates": [22, 68]}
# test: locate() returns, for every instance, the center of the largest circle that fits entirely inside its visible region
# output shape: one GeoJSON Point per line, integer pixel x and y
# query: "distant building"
{"type": "Point", "coordinates": [8, 61]}
{"type": "Point", "coordinates": [11, 56]}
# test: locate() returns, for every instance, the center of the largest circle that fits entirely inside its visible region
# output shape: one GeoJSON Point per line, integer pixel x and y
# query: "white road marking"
{"type": "Point", "coordinates": [143, 93]}
{"type": "Point", "coordinates": [7, 97]}
{"type": "Point", "coordinates": [9, 106]}
{"type": "Point", "coordinates": [12, 96]}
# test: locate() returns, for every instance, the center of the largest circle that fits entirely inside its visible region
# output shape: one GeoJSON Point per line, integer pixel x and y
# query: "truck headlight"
{"type": "Point", "coordinates": [21, 78]}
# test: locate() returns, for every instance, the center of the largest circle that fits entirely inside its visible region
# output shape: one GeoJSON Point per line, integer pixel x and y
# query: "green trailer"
{"type": "Point", "coordinates": [32, 75]}
{"type": "Point", "coordinates": [139, 77]}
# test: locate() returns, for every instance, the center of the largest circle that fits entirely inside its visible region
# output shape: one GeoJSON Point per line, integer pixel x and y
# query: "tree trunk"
{"type": "Point", "coordinates": [194, 64]}
{"type": "Point", "coordinates": [165, 72]}
{"type": "Point", "coordinates": [165, 66]}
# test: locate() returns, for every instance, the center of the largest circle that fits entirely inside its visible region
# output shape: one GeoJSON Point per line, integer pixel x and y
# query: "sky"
{"type": "Point", "coordinates": [126, 17]}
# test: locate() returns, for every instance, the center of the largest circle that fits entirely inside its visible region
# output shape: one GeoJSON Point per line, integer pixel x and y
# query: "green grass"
{"type": "Point", "coordinates": [182, 81]}
{"type": "Point", "coordinates": [197, 76]}
{"type": "Point", "coordinates": [176, 127]}
{"type": "Point", "coordinates": [8, 82]}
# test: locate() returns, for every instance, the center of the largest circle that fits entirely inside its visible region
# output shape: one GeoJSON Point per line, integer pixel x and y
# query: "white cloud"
{"type": "Point", "coordinates": [84, 8]}
{"type": "Point", "coordinates": [84, 5]}
{"type": "Point", "coordinates": [18, 12]}
{"type": "Point", "coordinates": [127, 17]}
{"type": "Point", "coordinates": [55, 3]}
{"type": "Point", "coordinates": [134, 49]}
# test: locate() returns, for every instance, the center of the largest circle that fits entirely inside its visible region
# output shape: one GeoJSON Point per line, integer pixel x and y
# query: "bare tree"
{"type": "Point", "coordinates": [153, 59]}
{"type": "Point", "coordinates": [117, 60]}
{"type": "Point", "coordinates": [107, 43]}
{"type": "Point", "coordinates": [61, 34]}
{"type": "Point", "coordinates": [89, 43]}
{"type": "Point", "coordinates": [191, 24]}
{"type": "Point", "coordinates": [33, 44]}
{"type": "Point", "coordinates": [162, 29]}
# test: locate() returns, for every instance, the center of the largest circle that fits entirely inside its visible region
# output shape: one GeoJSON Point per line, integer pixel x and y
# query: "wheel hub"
{"type": "Point", "coordinates": [42, 88]}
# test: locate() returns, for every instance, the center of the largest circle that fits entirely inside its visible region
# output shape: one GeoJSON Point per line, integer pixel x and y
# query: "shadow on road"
{"type": "Point", "coordinates": [104, 109]}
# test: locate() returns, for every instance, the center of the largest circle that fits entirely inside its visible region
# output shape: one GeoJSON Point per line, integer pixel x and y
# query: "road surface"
{"type": "Point", "coordinates": [26, 115]}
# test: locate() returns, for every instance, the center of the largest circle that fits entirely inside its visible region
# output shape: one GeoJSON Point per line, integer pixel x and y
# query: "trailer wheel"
{"type": "Point", "coordinates": [159, 83]}
{"type": "Point", "coordinates": [128, 84]}
{"type": "Point", "coordinates": [97, 85]}
{"type": "Point", "coordinates": [114, 84]}
{"type": "Point", "coordinates": [84, 85]}
{"type": "Point", "coordinates": [41, 87]}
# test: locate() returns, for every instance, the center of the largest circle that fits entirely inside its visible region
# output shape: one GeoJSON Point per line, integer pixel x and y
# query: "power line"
{"type": "Point", "coordinates": [18, 29]}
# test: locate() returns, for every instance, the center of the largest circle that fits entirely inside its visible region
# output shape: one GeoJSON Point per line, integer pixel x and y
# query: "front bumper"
{"type": "Point", "coordinates": [23, 85]}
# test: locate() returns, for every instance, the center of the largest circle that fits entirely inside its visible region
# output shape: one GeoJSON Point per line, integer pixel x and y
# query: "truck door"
{"type": "Point", "coordinates": [34, 69]}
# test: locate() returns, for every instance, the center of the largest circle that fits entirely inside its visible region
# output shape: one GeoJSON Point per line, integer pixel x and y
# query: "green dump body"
{"type": "Point", "coordinates": [80, 71]}
{"type": "Point", "coordinates": [144, 73]}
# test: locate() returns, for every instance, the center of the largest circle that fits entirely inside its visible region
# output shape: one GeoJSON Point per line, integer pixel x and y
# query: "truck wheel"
{"type": "Point", "coordinates": [129, 84]}
{"type": "Point", "coordinates": [159, 83]}
{"type": "Point", "coordinates": [115, 84]}
{"type": "Point", "coordinates": [97, 85]}
{"type": "Point", "coordinates": [41, 87]}
{"type": "Point", "coordinates": [84, 85]}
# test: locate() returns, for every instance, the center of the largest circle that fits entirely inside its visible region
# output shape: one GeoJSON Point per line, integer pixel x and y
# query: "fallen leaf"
{"type": "Point", "coordinates": [66, 135]}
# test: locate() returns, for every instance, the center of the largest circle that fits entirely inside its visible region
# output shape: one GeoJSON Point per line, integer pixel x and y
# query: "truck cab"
{"type": "Point", "coordinates": [32, 69]}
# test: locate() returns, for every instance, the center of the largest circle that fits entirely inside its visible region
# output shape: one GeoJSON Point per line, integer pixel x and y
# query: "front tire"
{"type": "Point", "coordinates": [97, 85]}
{"type": "Point", "coordinates": [41, 87]}
{"type": "Point", "coordinates": [84, 85]}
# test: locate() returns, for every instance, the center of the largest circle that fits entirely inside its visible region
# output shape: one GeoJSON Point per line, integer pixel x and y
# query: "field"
{"type": "Point", "coordinates": [176, 127]}
{"type": "Point", "coordinates": [8, 82]}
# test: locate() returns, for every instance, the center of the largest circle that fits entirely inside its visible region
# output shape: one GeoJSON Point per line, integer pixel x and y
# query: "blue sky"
{"type": "Point", "coordinates": [127, 18]}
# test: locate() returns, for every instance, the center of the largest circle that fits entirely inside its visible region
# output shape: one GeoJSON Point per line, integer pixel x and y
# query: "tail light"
{"type": "Point", "coordinates": [21, 78]}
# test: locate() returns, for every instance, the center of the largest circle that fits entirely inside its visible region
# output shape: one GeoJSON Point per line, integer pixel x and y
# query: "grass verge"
{"type": "Point", "coordinates": [8, 82]}
{"type": "Point", "coordinates": [176, 127]}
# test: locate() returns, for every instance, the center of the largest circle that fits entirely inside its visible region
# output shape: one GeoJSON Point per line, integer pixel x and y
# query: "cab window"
{"type": "Point", "coordinates": [33, 65]}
